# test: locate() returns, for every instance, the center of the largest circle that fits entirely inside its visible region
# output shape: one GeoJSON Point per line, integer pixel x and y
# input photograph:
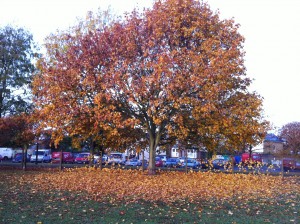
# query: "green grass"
{"type": "Point", "coordinates": [20, 204]}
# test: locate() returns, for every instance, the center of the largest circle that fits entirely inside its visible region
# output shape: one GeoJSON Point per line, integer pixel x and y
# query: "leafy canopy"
{"type": "Point", "coordinates": [17, 52]}
{"type": "Point", "coordinates": [173, 72]}
{"type": "Point", "coordinates": [291, 134]}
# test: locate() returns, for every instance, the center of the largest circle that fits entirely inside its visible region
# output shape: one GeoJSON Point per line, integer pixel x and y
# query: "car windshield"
{"type": "Point", "coordinates": [82, 155]}
{"type": "Point", "coordinates": [38, 152]}
{"type": "Point", "coordinates": [116, 156]}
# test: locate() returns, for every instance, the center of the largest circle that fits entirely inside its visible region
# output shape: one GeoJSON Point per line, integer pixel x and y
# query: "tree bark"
{"type": "Point", "coordinates": [24, 163]}
{"type": "Point", "coordinates": [61, 159]}
{"type": "Point", "coordinates": [154, 138]}
{"type": "Point", "coordinates": [101, 155]}
{"type": "Point", "coordinates": [92, 147]}
{"type": "Point", "coordinates": [143, 161]}
{"type": "Point", "coordinates": [152, 152]}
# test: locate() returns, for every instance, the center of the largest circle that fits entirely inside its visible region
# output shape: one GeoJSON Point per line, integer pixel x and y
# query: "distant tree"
{"type": "Point", "coordinates": [291, 134]}
{"type": "Point", "coordinates": [17, 131]}
{"type": "Point", "coordinates": [16, 68]}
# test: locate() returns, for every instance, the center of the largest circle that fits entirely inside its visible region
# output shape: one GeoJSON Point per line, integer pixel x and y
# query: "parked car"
{"type": "Point", "coordinates": [133, 162]}
{"type": "Point", "coordinates": [172, 162]}
{"type": "Point", "coordinates": [190, 163]}
{"type": "Point", "coordinates": [237, 159]}
{"type": "Point", "coordinates": [117, 158]}
{"type": "Point", "coordinates": [97, 159]}
{"type": "Point", "coordinates": [6, 153]}
{"type": "Point", "coordinates": [255, 158]}
{"type": "Point", "coordinates": [183, 159]}
{"type": "Point", "coordinates": [1, 158]}
{"type": "Point", "coordinates": [67, 157]}
{"type": "Point", "coordinates": [220, 163]}
{"type": "Point", "coordinates": [146, 162]}
{"type": "Point", "coordinates": [163, 157]}
{"type": "Point", "coordinates": [19, 158]}
{"type": "Point", "coordinates": [41, 155]}
{"type": "Point", "coordinates": [104, 159]}
{"type": "Point", "coordinates": [159, 162]}
{"type": "Point", "coordinates": [290, 164]}
{"type": "Point", "coordinates": [82, 158]}
{"type": "Point", "coordinates": [204, 164]}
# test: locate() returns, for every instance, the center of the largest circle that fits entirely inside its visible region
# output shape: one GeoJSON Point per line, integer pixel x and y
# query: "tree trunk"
{"type": "Point", "coordinates": [185, 160]}
{"type": "Point", "coordinates": [61, 159]}
{"type": "Point", "coordinates": [24, 164]}
{"type": "Point", "coordinates": [23, 157]}
{"type": "Point", "coordinates": [152, 153]}
{"type": "Point", "coordinates": [36, 155]}
{"type": "Point", "coordinates": [143, 161]}
{"type": "Point", "coordinates": [92, 147]}
{"type": "Point", "coordinates": [154, 138]}
{"type": "Point", "coordinates": [101, 155]}
{"type": "Point", "coordinates": [250, 155]}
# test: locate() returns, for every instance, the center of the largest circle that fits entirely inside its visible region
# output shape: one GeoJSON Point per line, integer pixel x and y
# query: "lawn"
{"type": "Point", "coordinates": [89, 195]}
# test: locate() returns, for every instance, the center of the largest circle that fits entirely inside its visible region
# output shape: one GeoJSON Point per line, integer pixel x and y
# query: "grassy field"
{"type": "Point", "coordinates": [124, 196]}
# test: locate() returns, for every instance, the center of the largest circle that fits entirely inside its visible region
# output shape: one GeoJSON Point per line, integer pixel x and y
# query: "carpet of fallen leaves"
{"type": "Point", "coordinates": [167, 187]}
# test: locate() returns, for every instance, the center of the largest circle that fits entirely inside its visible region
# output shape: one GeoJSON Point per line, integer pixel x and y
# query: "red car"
{"type": "Point", "coordinates": [290, 164]}
{"type": "Point", "coordinates": [255, 158]}
{"type": "Point", "coordinates": [82, 158]}
{"type": "Point", "coordinates": [159, 162]}
{"type": "Point", "coordinates": [67, 157]}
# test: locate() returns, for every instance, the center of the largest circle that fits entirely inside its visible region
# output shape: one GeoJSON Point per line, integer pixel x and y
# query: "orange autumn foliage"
{"type": "Point", "coordinates": [172, 72]}
{"type": "Point", "coordinates": [168, 187]}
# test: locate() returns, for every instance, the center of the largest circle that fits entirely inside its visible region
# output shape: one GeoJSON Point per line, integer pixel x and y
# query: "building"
{"type": "Point", "coordinates": [272, 144]}
{"type": "Point", "coordinates": [193, 152]}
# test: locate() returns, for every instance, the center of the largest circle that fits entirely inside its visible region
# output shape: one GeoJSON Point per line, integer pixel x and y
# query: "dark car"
{"type": "Point", "coordinates": [19, 158]}
{"type": "Point", "coordinates": [204, 164]}
{"type": "Point", "coordinates": [220, 163]}
{"type": "Point", "coordinates": [172, 162]}
{"type": "Point", "coordinates": [159, 162]}
{"type": "Point", "coordinates": [290, 164]}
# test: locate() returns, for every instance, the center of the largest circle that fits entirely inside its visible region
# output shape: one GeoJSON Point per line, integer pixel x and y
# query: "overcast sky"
{"type": "Point", "coordinates": [271, 29]}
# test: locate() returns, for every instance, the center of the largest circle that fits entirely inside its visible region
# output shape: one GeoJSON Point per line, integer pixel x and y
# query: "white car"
{"type": "Point", "coordinates": [42, 155]}
{"type": "Point", "coordinates": [133, 162]}
{"type": "Point", "coordinates": [97, 158]}
{"type": "Point", "coordinates": [116, 158]}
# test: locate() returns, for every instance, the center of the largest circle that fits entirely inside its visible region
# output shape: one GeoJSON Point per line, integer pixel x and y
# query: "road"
{"type": "Point", "coordinates": [275, 170]}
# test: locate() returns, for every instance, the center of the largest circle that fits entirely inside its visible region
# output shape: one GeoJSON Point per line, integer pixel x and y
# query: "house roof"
{"type": "Point", "coordinates": [272, 138]}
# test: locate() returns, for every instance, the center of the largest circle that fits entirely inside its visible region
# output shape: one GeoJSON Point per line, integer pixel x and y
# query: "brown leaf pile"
{"type": "Point", "coordinates": [168, 187]}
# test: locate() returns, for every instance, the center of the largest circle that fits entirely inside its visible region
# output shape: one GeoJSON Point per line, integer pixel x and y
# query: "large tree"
{"type": "Point", "coordinates": [178, 70]}
{"type": "Point", "coordinates": [16, 67]}
{"type": "Point", "coordinates": [171, 72]}
{"type": "Point", "coordinates": [291, 134]}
